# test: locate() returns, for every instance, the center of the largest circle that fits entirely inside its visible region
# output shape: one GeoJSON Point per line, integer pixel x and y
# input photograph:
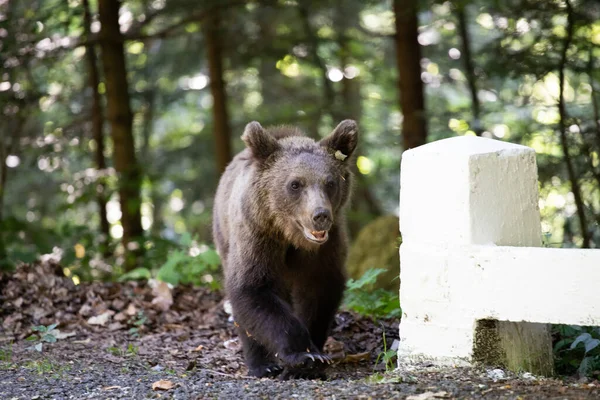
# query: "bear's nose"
{"type": "Point", "coordinates": [321, 216]}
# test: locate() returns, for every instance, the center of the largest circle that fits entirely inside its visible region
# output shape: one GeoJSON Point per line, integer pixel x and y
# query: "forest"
{"type": "Point", "coordinates": [117, 118]}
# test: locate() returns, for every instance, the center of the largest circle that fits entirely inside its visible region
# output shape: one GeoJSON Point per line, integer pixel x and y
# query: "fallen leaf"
{"type": "Point", "coordinates": [111, 388]}
{"type": "Point", "coordinates": [85, 310]}
{"type": "Point", "coordinates": [199, 348]}
{"type": "Point", "coordinates": [115, 326]}
{"type": "Point", "coordinates": [354, 358]}
{"type": "Point", "coordinates": [85, 341]}
{"type": "Point", "coordinates": [231, 344]}
{"type": "Point", "coordinates": [163, 299]}
{"type": "Point", "coordinates": [131, 310]}
{"type": "Point", "coordinates": [119, 317]}
{"type": "Point", "coordinates": [429, 396]}
{"type": "Point", "coordinates": [61, 335]}
{"type": "Point", "coordinates": [101, 319]}
{"type": "Point", "coordinates": [162, 385]}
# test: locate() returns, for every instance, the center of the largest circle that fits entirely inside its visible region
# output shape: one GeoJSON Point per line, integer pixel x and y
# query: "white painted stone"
{"type": "Point", "coordinates": [463, 201]}
{"type": "Point", "coordinates": [470, 190]}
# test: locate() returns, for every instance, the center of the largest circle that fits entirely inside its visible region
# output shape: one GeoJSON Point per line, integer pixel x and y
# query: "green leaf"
{"type": "Point", "coordinates": [49, 338]}
{"type": "Point", "coordinates": [591, 344]}
{"type": "Point", "coordinates": [39, 328]}
{"type": "Point", "coordinates": [168, 271]}
{"type": "Point", "coordinates": [210, 257]}
{"type": "Point", "coordinates": [136, 274]}
{"type": "Point", "coordinates": [51, 327]}
{"type": "Point", "coordinates": [38, 347]}
{"type": "Point", "coordinates": [581, 339]}
{"type": "Point", "coordinates": [368, 278]}
{"type": "Point", "coordinates": [31, 338]}
{"type": "Point", "coordinates": [186, 239]}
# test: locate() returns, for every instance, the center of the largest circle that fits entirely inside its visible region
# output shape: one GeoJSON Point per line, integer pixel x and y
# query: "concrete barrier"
{"type": "Point", "coordinates": [475, 283]}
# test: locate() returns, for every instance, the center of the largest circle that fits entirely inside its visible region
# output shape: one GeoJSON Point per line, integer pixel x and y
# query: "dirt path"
{"type": "Point", "coordinates": [117, 341]}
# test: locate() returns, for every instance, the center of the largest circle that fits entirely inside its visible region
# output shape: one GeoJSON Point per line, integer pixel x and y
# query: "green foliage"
{"type": "Point", "coordinates": [361, 297]}
{"type": "Point", "coordinates": [45, 367]}
{"type": "Point", "coordinates": [131, 350]}
{"type": "Point", "coordinates": [388, 356]}
{"type": "Point", "coordinates": [186, 263]}
{"type": "Point", "coordinates": [6, 352]}
{"type": "Point", "coordinates": [577, 350]}
{"type": "Point", "coordinates": [46, 334]}
{"type": "Point", "coordinates": [140, 320]}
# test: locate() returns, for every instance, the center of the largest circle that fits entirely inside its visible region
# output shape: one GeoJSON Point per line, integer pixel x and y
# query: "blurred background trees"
{"type": "Point", "coordinates": [118, 117]}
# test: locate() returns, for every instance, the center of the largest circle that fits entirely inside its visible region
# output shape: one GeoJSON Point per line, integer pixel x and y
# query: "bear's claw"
{"type": "Point", "coordinates": [266, 371]}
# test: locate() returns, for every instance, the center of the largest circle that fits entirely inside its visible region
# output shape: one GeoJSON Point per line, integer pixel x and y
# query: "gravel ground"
{"type": "Point", "coordinates": [95, 379]}
{"type": "Point", "coordinates": [134, 341]}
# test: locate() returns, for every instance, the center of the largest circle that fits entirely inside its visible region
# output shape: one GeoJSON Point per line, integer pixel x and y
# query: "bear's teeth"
{"type": "Point", "coordinates": [318, 234]}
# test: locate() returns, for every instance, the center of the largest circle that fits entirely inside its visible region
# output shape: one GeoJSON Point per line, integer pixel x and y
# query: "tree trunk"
{"type": "Point", "coordinates": [365, 201]}
{"type": "Point", "coordinates": [7, 147]}
{"type": "Point", "coordinates": [152, 175]}
{"type": "Point", "coordinates": [120, 117]}
{"type": "Point", "coordinates": [97, 125]}
{"type": "Point", "coordinates": [3, 175]}
{"type": "Point", "coordinates": [469, 68]}
{"type": "Point", "coordinates": [222, 131]}
{"type": "Point", "coordinates": [594, 94]}
{"type": "Point", "coordinates": [408, 56]}
{"type": "Point", "coordinates": [563, 131]}
{"type": "Point", "coordinates": [329, 95]}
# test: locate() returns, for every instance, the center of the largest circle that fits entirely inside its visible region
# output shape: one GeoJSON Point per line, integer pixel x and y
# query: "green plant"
{"type": "Point", "coordinates": [47, 334]}
{"type": "Point", "coordinates": [186, 262]}
{"type": "Point", "coordinates": [6, 353]}
{"type": "Point", "coordinates": [577, 349]}
{"type": "Point", "coordinates": [131, 350]}
{"type": "Point", "coordinates": [42, 367]}
{"type": "Point", "coordinates": [387, 356]}
{"type": "Point", "coordinates": [361, 298]}
{"type": "Point", "coordinates": [140, 320]}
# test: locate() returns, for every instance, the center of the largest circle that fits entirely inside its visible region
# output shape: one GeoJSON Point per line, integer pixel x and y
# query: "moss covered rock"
{"type": "Point", "coordinates": [376, 246]}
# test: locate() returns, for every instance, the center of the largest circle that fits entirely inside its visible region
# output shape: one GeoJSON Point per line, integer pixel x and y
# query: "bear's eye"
{"type": "Point", "coordinates": [330, 184]}
{"type": "Point", "coordinates": [295, 185]}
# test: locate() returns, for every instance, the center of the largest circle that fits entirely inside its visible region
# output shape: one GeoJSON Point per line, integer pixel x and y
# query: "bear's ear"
{"type": "Point", "coordinates": [343, 139]}
{"type": "Point", "coordinates": [260, 142]}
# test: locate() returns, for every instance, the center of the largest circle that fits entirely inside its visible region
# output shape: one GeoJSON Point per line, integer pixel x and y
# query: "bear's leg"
{"type": "Point", "coordinates": [258, 360]}
{"type": "Point", "coordinates": [316, 301]}
{"type": "Point", "coordinates": [271, 322]}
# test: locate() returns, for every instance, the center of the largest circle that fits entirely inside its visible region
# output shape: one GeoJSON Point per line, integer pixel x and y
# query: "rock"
{"type": "Point", "coordinates": [377, 246]}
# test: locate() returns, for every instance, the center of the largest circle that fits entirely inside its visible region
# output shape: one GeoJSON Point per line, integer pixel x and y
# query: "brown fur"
{"type": "Point", "coordinates": [274, 201]}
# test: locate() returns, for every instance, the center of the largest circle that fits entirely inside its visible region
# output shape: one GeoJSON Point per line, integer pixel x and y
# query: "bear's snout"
{"type": "Point", "coordinates": [322, 219]}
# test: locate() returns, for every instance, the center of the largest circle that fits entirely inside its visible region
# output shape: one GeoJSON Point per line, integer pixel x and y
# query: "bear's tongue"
{"type": "Point", "coordinates": [319, 234]}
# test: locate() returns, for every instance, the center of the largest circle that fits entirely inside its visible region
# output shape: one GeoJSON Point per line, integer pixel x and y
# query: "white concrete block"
{"type": "Point", "coordinates": [463, 202]}
{"type": "Point", "coordinates": [470, 190]}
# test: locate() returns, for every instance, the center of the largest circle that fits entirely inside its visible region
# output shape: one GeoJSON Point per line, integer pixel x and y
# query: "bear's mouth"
{"type": "Point", "coordinates": [315, 236]}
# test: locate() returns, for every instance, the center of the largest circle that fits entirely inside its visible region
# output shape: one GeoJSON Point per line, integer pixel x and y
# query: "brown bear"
{"type": "Point", "coordinates": [280, 229]}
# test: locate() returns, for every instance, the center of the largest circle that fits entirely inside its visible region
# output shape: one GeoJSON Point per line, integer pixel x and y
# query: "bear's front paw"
{"type": "Point", "coordinates": [302, 373]}
{"type": "Point", "coordinates": [262, 371]}
{"type": "Point", "coordinates": [304, 359]}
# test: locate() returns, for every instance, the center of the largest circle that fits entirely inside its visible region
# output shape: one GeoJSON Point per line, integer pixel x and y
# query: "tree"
{"type": "Point", "coordinates": [120, 118]}
{"type": "Point", "coordinates": [461, 15]}
{"type": "Point", "coordinates": [221, 129]}
{"type": "Point", "coordinates": [408, 57]}
{"type": "Point", "coordinates": [573, 177]}
{"type": "Point", "coordinates": [97, 121]}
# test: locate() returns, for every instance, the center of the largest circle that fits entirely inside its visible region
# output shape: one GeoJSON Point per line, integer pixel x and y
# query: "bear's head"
{"type": "Point", "coordinates": [303, 184]}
